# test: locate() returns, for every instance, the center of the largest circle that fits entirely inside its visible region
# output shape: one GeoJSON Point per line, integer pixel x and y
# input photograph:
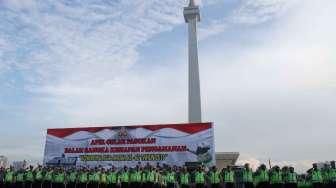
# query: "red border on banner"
{"type": "Point", "coordinates": [190, 128]}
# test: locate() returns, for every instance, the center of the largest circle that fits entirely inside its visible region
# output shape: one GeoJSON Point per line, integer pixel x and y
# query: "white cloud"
{"type": "Point", "coordinates": [259, 11]}
{"type": "Point", "coordinates": [18, 5]}
{"type": "Point", "coordinates": [86, 41]}
{"type": "Point", "coordinates": [275, 90]}
{"type": "Point", "coordinates": [250, 12]}
{"type": "Point", "coordinates": [214, 28]}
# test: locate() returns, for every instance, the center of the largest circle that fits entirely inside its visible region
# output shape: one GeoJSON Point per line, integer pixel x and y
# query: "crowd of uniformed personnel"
{"type": "Point", "coordinates": [166, 176]}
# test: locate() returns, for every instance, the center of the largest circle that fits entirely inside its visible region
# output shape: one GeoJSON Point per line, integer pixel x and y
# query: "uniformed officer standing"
{"type": "Point", "coordinates": [19, 179]}
{"type": "Point", "coordinates": [228, 177]}
{"type": "Point", "coordinates": [72, 178]}
{"type": "Point", "coordinates": [103, 179]}
{"type": "Point", "coordinates": [143, 177]}
{"type": "Point", "coordinates": [200, 178]}
{"type": "Point", "coordinates": [157, 183]}
{"type": "Point", "coordinates": [170, 178]}
{"type": "Point", "coordinates": [303, 182]}
{"type": "Point", "coordinates": [96, 178]}
{"type": "Point", "coordinates": [164, 179]}
{"type": "Point", "coordinates": [2, 176]}
{"type": "Point", "coordinates": [248, 176]}
{"type": "Point", "coordinates": [124, 178]}
{"type": "Point", "coordinates": [332, 175]}
{"type": "Point", "coordinates": [285, 173]}
{"type": "Point", "coordinates": [184, 178]}
{"type": "Point", "coordinates": [38, 177]}
{"type": "Point", "coordinates": [263, 177]}
{"type": "Point", "coordinates": [316, 177]}
{"type": "Point", "coordinates": [90, 183]}
{"type": "Point", "coordinates": [276, 177]}
{"type": "Point", "coordinates": [325, 174]}
{"type": "Point", "coordinates": [9, 178]}
{"type": "Point", "coordinates": [48, 178]}
{"type": "Point", "coordinates": [29, 178]}
{"type": "Point", "coordinates": [215, 177]}
{"type": "Point", "coordinates": [112, 178]}
{"type": "Point", "coordinates": [150, 177]}
{"type": "Point", "coordinates": [59, 179]}
{"type": "Point", "coordinates": [83, 178]}
{"type": "Point", "coordinates": [133, 177]}
{"type": "Point", "coordinates": [291, 178]}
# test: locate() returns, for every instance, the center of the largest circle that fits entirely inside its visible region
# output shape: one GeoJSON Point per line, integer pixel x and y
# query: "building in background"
{"type": "Point", "coordinates": [224, 159]}
{"type": "Point", "coordinates": [3, 161]}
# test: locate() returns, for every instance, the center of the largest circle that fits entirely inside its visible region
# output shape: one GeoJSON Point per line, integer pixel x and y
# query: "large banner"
{"type": "Point", "coordinates": [172, 144]}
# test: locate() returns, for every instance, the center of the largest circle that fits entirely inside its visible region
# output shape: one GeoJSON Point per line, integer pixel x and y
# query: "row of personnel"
{"type": "Point", "coordinates": [55, 177]}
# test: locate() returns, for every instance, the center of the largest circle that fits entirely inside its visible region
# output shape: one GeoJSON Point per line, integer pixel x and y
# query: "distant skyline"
{"type": "Point", "coordinates": [267, 68]}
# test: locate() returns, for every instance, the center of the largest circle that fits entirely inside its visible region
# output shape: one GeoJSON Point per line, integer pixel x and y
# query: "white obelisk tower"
{"type": "Point", "coordinates": [192, 16]}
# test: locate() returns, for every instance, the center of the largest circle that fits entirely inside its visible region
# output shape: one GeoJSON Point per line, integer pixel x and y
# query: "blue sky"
{"type": "Point", "coordinates": [267, 72]}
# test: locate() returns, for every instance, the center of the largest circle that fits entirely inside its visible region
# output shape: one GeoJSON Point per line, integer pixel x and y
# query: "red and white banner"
{"type": "Point", "coordinates": [172, 144]}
